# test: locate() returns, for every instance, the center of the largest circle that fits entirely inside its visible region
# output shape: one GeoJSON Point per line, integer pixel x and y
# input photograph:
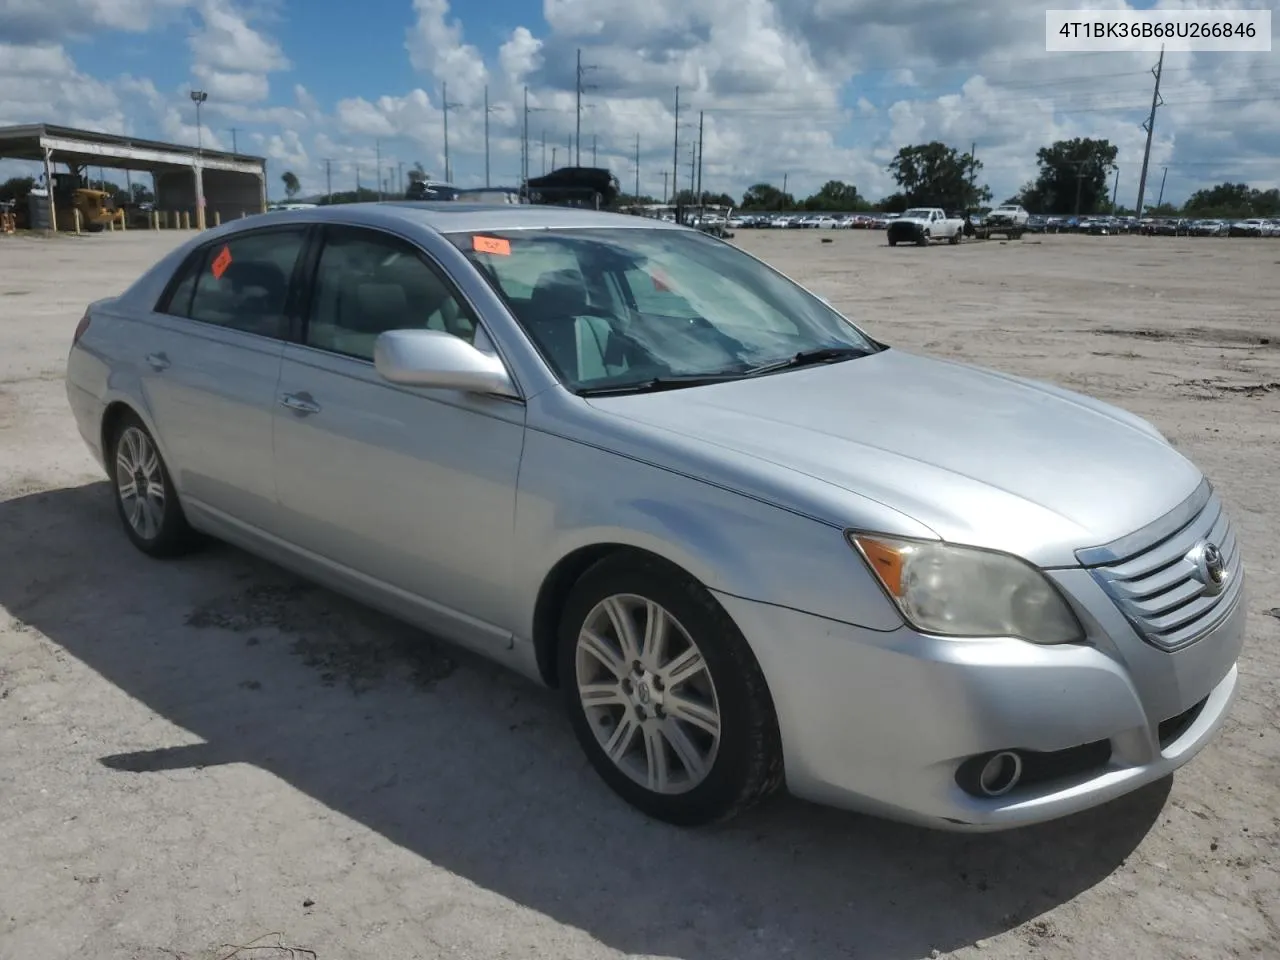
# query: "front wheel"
{"type": "Point", "coordinates": [664, 694]}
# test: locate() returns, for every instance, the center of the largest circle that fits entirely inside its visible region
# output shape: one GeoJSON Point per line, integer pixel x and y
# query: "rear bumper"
{"type": "Point", "coordinates": [88, 411]}
{"type": "Point", "coordinates": [880, 722]}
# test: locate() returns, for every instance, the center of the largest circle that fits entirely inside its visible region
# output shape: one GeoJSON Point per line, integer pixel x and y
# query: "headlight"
{"type": "Point", "coordinates": [957, 591]}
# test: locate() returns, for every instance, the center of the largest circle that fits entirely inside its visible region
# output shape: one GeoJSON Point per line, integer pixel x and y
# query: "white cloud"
{"type": "Point", "coordinates": [34, 21]}
{"type": "Point", "coordinates": [230, 59]}
{"type": "Point", "coordinates": [807, 89]}
{"type": "Point", "coordinates": [435, 47]}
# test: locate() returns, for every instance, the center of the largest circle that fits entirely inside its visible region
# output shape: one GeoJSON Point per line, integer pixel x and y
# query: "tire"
{"type": "Point", "coordinates": [893, 242]}
{"type": "Point", "coordinates": [155, 523]}
{"type": "Point", "coordinates": [725, 721]}
{"type": "Point", "coordinates": [955, 238]}
{"type": "Point", "coordinates": [924, 239]}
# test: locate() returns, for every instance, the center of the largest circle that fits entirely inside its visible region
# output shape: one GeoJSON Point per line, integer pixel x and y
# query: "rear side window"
{"type": "Point", "coordinates": [241, 284]}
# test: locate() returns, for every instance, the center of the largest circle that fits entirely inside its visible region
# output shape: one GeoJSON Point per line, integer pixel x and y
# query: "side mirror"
{"type": "Point", "coordinates": [433, 358]}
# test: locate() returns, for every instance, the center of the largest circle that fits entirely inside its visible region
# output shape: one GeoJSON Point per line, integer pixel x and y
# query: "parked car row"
{"type": "Point", "coordinates": [813, 221]}
{"type": "Point", "coordinates": [1155, 226]}
{"type": "Point", "coordinates": [1023, 222]}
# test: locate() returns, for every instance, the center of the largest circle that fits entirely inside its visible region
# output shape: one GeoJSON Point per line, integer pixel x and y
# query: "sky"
{"type": "Point", "coordinates": [806, 90]}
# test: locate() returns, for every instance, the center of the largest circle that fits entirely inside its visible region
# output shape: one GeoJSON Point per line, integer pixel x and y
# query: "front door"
{"type": "Point", "coordinates": [410, 490]}
{"type": "Point", "coordinates": [210, 363]}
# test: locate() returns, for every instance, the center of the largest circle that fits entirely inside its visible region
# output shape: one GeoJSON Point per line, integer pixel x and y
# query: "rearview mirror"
{"type": "Point", "coordinates": [433, 358]}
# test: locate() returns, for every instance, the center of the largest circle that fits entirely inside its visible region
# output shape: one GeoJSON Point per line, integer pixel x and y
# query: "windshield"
{"type": "Point", "coordinates": [610, 307]}
{"type": "Point", "coordinates": [919, 213]}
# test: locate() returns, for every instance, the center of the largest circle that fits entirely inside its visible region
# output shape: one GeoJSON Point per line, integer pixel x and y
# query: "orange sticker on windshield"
{"type": "Point", "coordinates": [660, 282]}
{"type": "Point", "coordinates": [495, 245]}
{"type": "Point", "coordinates": [220, 263]}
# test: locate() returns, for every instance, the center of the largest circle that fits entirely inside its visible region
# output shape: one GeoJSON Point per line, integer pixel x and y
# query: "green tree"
{"type": "Point", "coordinates": [765, 196]}
{"type": "Point", "coordinates": [1234, 200]}
{"type": "Point", "coordinates": [291, 184]}
{"type": "Point", "coordinates": [1074, 177]}
{"type": "Point", "coordinates": [836, 196]}
{"type": "Point", "coordinates": [936, 175]}
{"type": "Point", "coordinates": [16, 188]}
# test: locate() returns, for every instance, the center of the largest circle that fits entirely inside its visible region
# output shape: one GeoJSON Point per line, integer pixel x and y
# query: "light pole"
{"type": "Point", "coordinates": [199, 97]}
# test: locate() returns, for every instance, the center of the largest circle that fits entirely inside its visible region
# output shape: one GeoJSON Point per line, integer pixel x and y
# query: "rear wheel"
{"type": "Point", "coordinates": [144, 493]}
{"type": "Point", "coordinates": [955, 237]}
{"type": "Point", "coordinates": [664, 694]}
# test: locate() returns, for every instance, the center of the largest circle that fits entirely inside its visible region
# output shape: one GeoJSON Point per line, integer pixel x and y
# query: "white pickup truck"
{"type": "Point", "coordinates": [922, 225]}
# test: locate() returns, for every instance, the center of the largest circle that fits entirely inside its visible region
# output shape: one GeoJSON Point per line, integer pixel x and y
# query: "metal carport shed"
{"type": "Point", "coordinates": [207, 184]}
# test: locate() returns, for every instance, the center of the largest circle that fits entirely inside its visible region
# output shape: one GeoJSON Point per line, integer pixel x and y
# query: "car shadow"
{"type": "Point", "coordinates": [475, 770]}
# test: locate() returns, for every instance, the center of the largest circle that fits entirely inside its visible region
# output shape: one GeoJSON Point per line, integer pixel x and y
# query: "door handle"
{"type": "Point", "coordinates": [157, 361]}
{"type": "Point", "coordinates": [300, 403]}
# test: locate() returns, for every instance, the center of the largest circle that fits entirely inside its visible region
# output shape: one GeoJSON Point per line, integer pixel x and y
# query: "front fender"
{"type": "Point", "coordinates": [572, 495]}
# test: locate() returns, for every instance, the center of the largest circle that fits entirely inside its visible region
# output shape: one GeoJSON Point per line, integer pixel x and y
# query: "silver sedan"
{"type": "Point", "coordinates": [751, 545]}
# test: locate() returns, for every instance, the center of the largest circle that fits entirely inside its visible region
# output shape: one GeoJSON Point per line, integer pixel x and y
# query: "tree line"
{"type": "Point", "coordinates": [1074, 177]}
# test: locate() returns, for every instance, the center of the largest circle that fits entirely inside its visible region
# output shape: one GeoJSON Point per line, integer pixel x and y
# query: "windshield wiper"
{"type": "Point", "coordinates": [807, 357]}
{"type": "Point", "coordinates": [655, 384]}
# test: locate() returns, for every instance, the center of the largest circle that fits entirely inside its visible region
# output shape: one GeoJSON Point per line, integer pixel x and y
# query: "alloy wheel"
{"type": "Point", "coordinates": [140, 483]}
{"type": "Point", "coordinates": [648, 694]}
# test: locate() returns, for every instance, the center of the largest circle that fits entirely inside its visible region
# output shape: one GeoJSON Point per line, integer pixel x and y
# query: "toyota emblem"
{"type": "Point", "coordinates": [1211, 566]}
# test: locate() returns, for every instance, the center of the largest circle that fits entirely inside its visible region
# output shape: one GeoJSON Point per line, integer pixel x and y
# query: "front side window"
{"type": "Point", "coordinates": [627, 305]}
{"type": "Point", "coordinates": [368, 282]}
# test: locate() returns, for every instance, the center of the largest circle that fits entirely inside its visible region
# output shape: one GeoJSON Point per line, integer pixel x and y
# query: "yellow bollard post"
{"type": "Point", "coordinates": [186, 220]}
{"type": "Point", "coordinates": [217, 218]}
{"type": "Point", "coordinates": [76, 211]}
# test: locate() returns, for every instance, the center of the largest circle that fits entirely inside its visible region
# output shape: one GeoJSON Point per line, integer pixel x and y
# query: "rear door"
{"type": "Point", "coordinates": [210, 364]}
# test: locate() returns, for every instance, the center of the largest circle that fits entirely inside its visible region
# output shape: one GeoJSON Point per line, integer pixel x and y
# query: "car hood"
{"type": "Point", "coordinates": [977, 456]}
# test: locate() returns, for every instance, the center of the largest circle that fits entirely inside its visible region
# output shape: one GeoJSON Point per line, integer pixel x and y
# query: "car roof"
{"type": "Point", "coordinates": [452, 216]}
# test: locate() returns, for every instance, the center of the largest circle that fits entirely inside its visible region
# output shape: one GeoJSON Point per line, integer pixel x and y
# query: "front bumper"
{"type": "Point", "coordinates": [900, 232]}
{"type": "Point", "coordinates": [880, 722]}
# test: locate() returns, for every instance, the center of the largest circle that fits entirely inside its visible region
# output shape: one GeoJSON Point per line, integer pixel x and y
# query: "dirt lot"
{"type": "Point", "coordinates": [208, 754]}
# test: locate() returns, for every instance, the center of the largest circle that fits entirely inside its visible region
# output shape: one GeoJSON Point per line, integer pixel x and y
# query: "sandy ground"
{"type": "Point", "coordinates": [207, 754]}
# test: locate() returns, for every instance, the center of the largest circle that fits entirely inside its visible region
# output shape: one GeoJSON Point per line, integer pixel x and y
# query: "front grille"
{"type": "Point", "coordinates": [1154, 579]}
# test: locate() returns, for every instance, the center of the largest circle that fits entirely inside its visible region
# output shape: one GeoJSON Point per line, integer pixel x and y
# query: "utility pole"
{"type": "Point", "coordinates": [544, 151]}
{"type": "Point", "coordinates": [1115, 191]}
{"type": "Point", "coordinates": [665, 195]}
{"type": "Point", "coordinates": [675, 152]}
{"type": "Point", "coordinates": [970, 201]}
{"type": "Point", "coordinates": [1150, 126]}
{"type": "Point", "coordinates": [328, 179]}
{"type": "Point", "coordinates": [524, 141]}
{"type": "Point", "coordinates": [578, 129]}
{"type": "Point", "coordinates": [693, 170]}
{"type": "Point", "coordinates": [486, 135]}
{"type": "Point", "coordinates": [444, 108]}
{"type": "Point", "coordinates": [637, 193]}
{"type": "Point", "coordinates": [377, 145]}
{"type": "Point", "coordinates": [234, 131]}
{"type": "Point", "coordinates": [553, 157]}
{"type": "Point", "coordinates": [358, 187]}
{"type": "Point", "coordinates": [699, 163]}
{"type": "Point", "coordinates": [400, 177]}
{"type": "Point", "coordinates": [593, 149]}
{"type": "Point", "coordinates": [1160, 199]}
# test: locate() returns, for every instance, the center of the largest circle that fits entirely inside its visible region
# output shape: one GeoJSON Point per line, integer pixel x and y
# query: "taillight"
{"type": "Point", "coordinates": [81, 327]}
